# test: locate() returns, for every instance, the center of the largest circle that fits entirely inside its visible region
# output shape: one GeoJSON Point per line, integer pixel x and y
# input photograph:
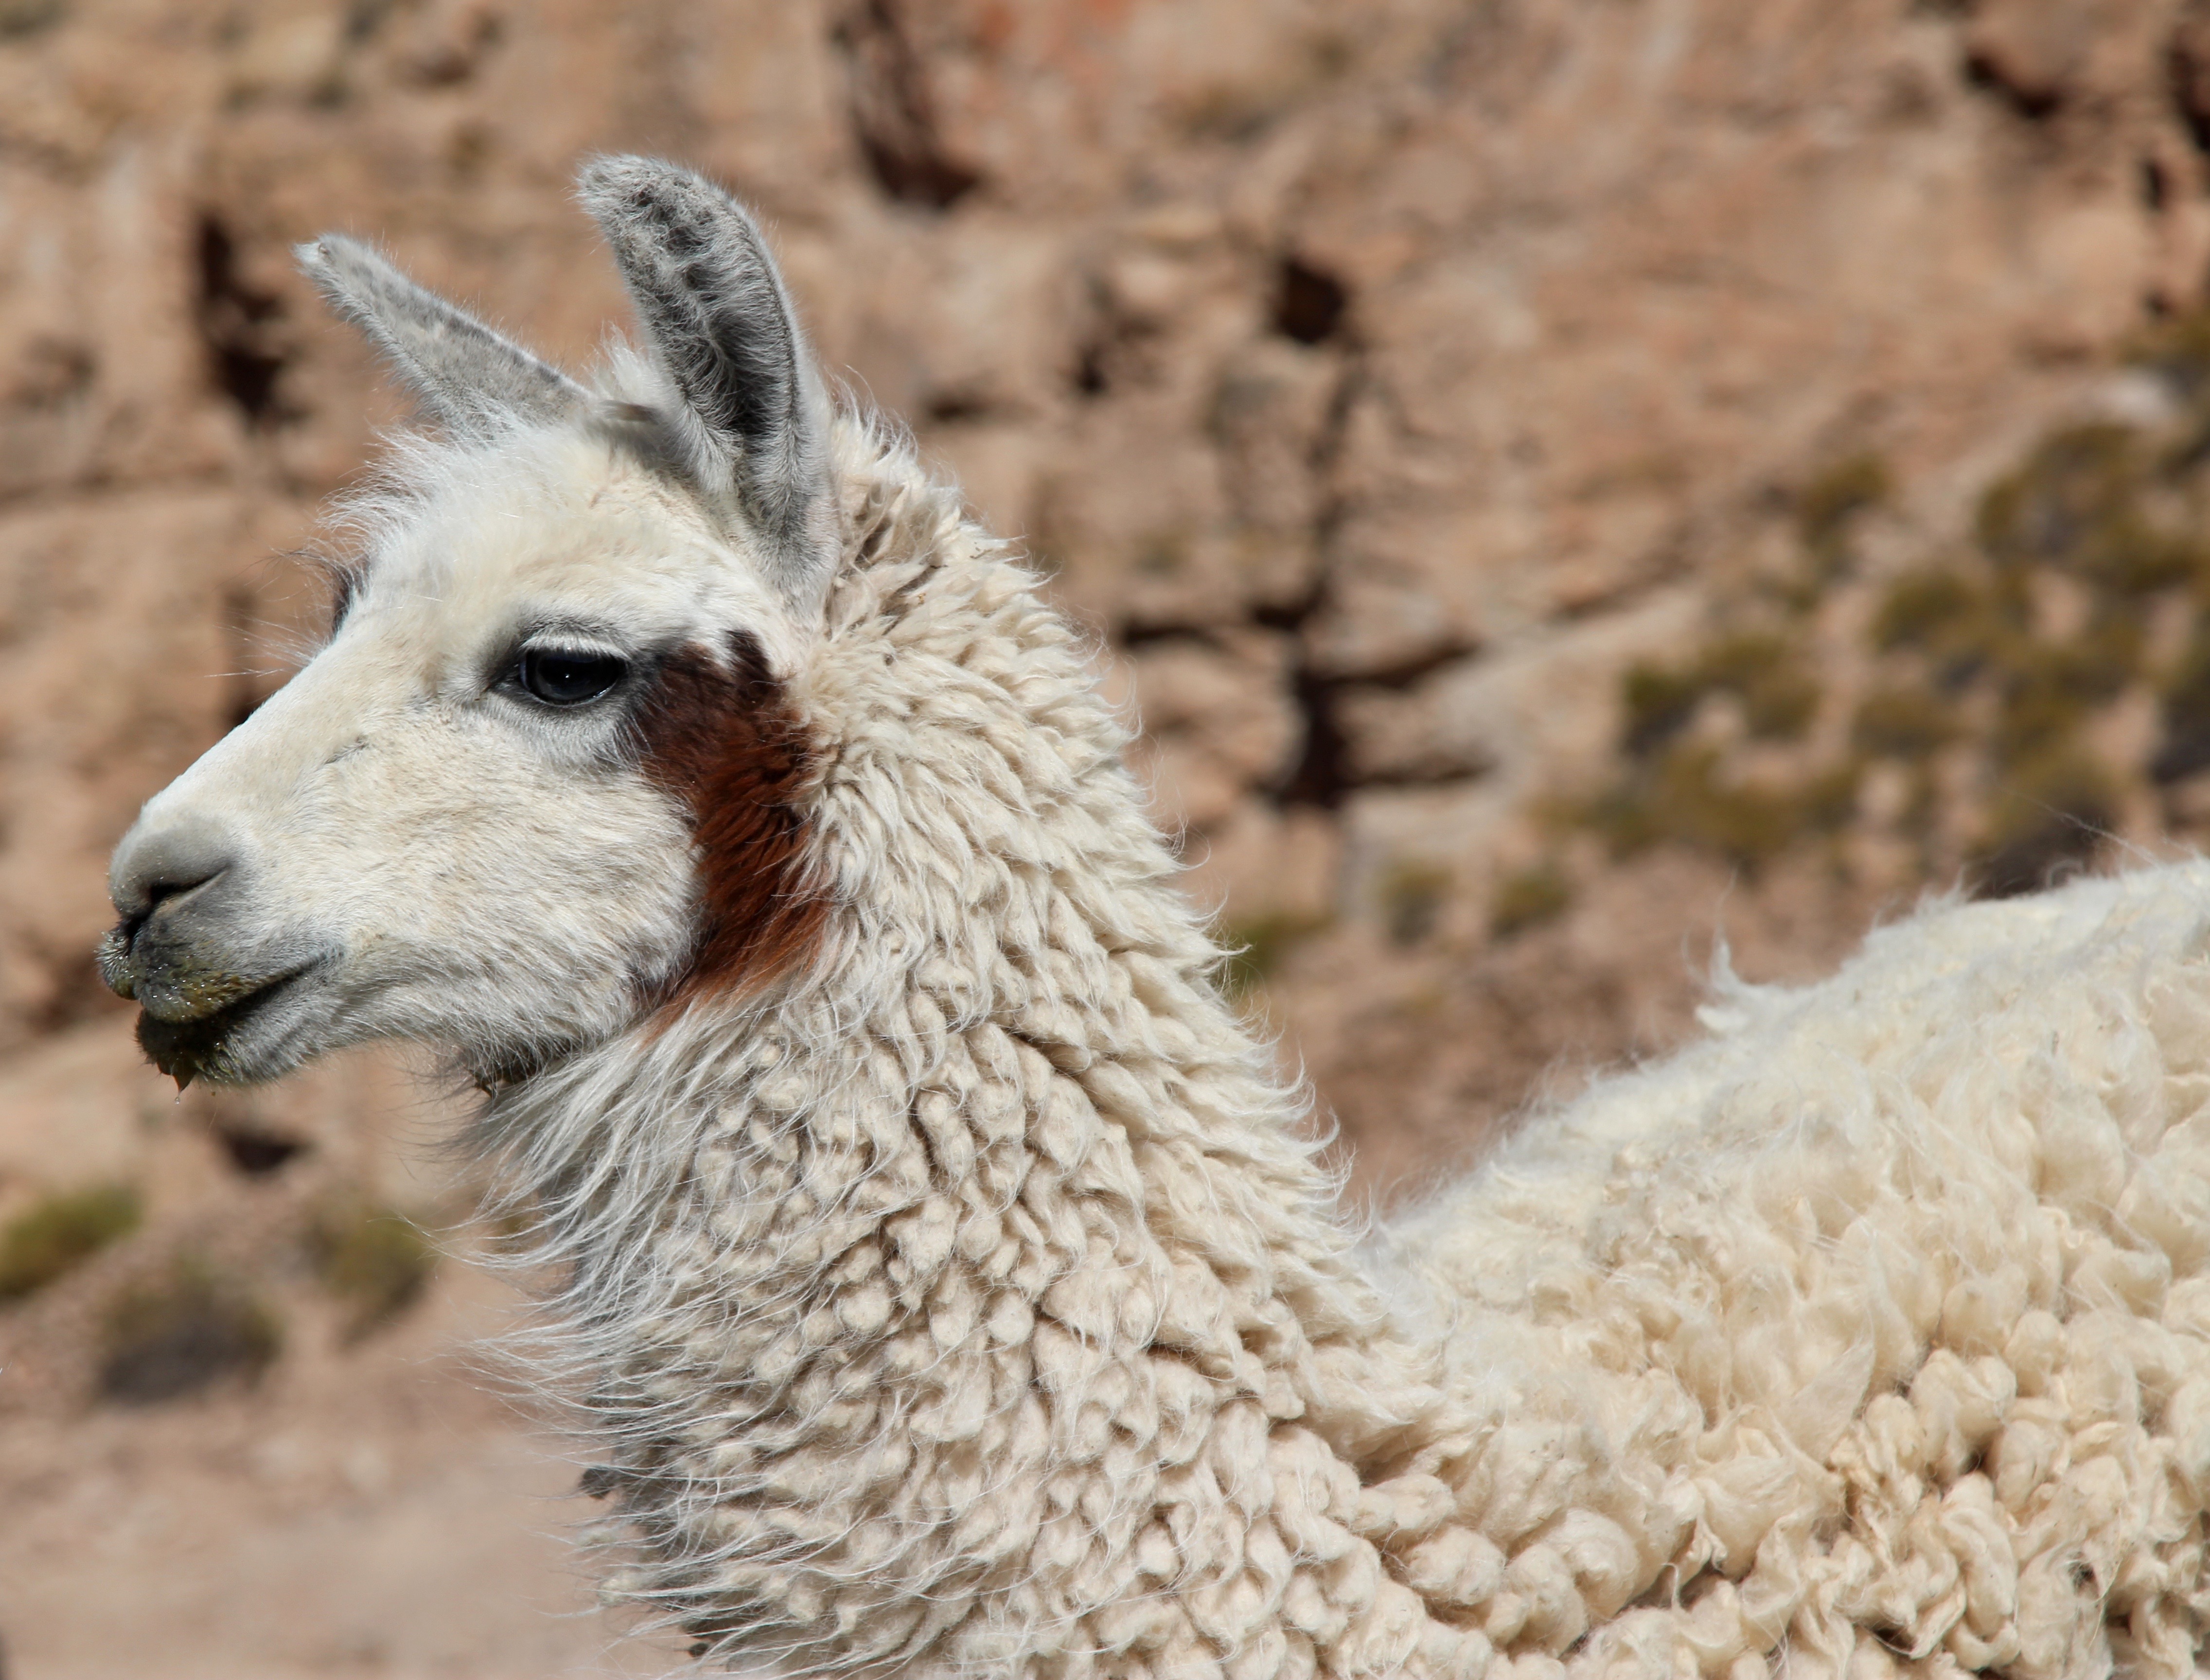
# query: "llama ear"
{"type": "Point", "coordinates": [721, 331]}
{"type": "Point", "coordinates": [470, 377]}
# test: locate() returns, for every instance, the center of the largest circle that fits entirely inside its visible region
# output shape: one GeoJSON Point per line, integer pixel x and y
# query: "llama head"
{"type": "Point", "coordinates": [545, 770]}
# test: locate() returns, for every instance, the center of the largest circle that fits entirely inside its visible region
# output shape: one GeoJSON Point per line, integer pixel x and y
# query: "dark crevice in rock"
{"type": "Point", "coordinates": [1326, 772]}
{"type": "Point", "coordinates": [1991, 73]}
{"type": "Point", "coordinates": [2155, 186]}
{"type": "Point", "coordinates": [255, 1152]}
{"type": "Point", "coordinates": [1149, 632]}
{"type": "Point", "coordinates": [2187, 73]}
{"type": "Point", "coordinates": [1309, 303]}
{"type": "Point", "coordinates": [238, 326]}
{"type": "Point", "coordinates": [1113, 355]}
{"type": "Point", "coordinates": [1413, 668]}
{"type": "Point", "coordinates": [893, 116]}
{"type": "Point", "coordinates": [1322, 770]}
{"type": "Point", "coordinates": [1455, 774]}
{"type": "Point", "coordinates": [1088, 378]}
{"type": "Point", "coordinates": [1321, 774]}
{"type": "Point", "coordinates": [954, 407]}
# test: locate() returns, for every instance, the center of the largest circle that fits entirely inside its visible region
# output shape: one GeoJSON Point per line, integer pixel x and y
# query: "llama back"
{"type": "Point", "coordinates": [1885, 1311]}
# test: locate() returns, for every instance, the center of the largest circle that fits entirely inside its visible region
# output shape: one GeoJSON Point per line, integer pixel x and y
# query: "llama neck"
{"type": "Point", "coordinates": [935, 1310]}
{"type": "Point", "coordinates": [907, 1320]}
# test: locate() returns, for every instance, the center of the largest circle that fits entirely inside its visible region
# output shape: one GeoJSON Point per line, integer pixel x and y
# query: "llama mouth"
{"type": "Point", "coordinates": [236, 1044]}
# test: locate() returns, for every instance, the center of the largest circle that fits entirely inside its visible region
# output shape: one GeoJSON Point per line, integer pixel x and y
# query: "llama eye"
{"type": "Point", "coordinates": [562, 678]}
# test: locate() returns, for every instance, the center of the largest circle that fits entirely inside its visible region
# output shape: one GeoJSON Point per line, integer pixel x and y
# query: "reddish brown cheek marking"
{"type": "Point", "coordinates": [727, 742]}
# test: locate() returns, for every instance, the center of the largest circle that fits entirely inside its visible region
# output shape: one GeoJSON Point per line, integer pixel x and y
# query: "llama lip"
{"type": "Point", "coordinates": [209, 1046]}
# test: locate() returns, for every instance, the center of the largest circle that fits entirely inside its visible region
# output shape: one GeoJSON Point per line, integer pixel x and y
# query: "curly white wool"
{"type": "Point", "coordinates": [1876, 1329]}
{"type": "Point", "coordinates": [969, 1304]}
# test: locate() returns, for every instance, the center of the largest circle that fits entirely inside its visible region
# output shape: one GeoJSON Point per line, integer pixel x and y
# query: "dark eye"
{"type": "Point", "coordinates": [564, 677]}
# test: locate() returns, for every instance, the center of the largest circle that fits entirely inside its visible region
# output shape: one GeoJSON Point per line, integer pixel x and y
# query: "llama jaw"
{"type": "Point", "coordinates": [201, 1018]}
{"type": "Point", "coordinates": [251, 1037]}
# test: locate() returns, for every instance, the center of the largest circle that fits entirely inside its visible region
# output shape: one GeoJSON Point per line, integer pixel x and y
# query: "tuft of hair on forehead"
{"type": "Point", "coordinates": [720, 734]}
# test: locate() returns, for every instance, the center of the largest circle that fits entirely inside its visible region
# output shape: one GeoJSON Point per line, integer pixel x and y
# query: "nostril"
{"type": "Point", "coordinates": [149, 893]}
{"type": "Point", "coordinates": [155, 868]}
{"type": "Point", "coordinates": [162, 889]}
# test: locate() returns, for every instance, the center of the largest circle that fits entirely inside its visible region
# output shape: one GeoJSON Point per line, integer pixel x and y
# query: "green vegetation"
{"type": "Point", "coordinates": [174, 1336]}
{"type": "Point", "coordinates": [1829, 504]}
{"type": "Point", "coordinates": [1412, 895]}
{"type": "Point", "coordinates": [1254, 947]}
{"type": "Point", "coordinates": [1906, 721]}
{"type": "Point", "coordinates": [2056, 811]}
{"type": "Point", "coordinates": [375, 1261]}
{"type": "Point", "coordinates": [1686, 797]}
{"type": "Point", "coordinates": [1659, 703]}
{"type": "Point", "coordinates": [1777, 694]}
{"type": "Point", "coordinates": [2178, 350]}
{"type": "Point", "coordinates": [2079, 504]}
{"type": "Point", "coordinates": [58, 1234]}
{"type": "Point", "coordinates": [19, 18]}
{"type": "Point", "coordinates": [1764, 669]}
{"type": "Point", "coordinates": [1527, 899]}
{"type": "Point", "coordinates": [2049, 690]}
{"type": "Point", "coordinates": [2186, 700]}
{"type": "Point", "coordinates": [1988, 674]}
{"type": "Point", "coordinates": [1163, 555]}
{"type": "Point", "coordinates": [1942, 612]}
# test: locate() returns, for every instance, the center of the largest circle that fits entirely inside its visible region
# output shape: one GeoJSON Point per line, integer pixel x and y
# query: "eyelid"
{"type": "Point", "coordinates": [559, 641]}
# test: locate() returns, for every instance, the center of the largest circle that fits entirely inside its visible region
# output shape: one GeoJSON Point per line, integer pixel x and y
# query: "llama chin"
{"type": "Point", "coordinates": [948, 1287]}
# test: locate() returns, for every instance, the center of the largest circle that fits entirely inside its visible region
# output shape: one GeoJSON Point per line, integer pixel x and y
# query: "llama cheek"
{"type": "Point", "coordinates": [724, 742]}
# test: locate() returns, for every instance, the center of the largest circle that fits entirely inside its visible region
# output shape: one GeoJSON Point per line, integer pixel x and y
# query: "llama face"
{"type": "Point", "coordinates": [543, 772]}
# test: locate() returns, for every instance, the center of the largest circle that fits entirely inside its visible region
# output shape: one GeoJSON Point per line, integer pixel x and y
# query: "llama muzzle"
{"type": "Point", "coordinates": [180, 952]}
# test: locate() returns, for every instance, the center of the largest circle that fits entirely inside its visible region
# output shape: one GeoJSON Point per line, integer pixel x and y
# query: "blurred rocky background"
{"type": "Point", "coordinates": [1562, 482]}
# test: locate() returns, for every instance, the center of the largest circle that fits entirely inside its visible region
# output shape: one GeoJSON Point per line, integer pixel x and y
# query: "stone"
{"type": "Point", "coordinates": [1380, 385]}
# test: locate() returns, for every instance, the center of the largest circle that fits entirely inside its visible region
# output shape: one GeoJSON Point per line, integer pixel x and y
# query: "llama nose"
{"type": "Point", "coordinates": [172, 885]}
{"type": "Point", "coordinates": [152, 867]}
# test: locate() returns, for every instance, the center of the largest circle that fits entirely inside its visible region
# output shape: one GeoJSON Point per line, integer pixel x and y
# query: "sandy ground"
{"type": "Point", "coordinates": [371, 1506]}
{"type": "Point", "coordinates": [377, 1515]}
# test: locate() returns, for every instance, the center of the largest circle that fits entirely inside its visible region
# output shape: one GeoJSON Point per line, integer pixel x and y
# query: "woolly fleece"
{"type": "Point", "coordinates": [967, 1303]}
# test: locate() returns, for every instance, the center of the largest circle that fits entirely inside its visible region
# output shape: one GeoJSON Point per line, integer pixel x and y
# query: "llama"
{"type": "Point", "coordinates": [947, 1287]}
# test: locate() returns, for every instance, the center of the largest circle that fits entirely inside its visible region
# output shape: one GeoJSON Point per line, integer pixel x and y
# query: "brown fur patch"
{"type": "Point", "coordinates": [726, 741]}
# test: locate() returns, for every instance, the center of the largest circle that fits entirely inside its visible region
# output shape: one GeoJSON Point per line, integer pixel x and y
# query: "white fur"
{"type": "Point", "coordinates": [460, 866]}
{"type": "Point", "coordinates": [968, 1304]}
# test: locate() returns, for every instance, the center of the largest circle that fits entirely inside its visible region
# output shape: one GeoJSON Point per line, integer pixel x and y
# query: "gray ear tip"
{"type": "Point", "coordinates": [616, 185]}
{"type": "Point", "coordinates": [612, 174]}
{"type": "Point", "coordinates": [332, 258]}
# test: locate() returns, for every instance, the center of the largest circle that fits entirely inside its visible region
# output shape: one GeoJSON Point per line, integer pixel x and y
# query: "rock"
{"type": "Point", "coordinates": [1382, 385]}
{"type": "Point", "coordinates": [1217, 722]}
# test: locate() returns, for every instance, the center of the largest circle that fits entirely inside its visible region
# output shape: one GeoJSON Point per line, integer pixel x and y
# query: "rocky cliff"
{"type": "Point", "coordinates": [1559, 480]}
